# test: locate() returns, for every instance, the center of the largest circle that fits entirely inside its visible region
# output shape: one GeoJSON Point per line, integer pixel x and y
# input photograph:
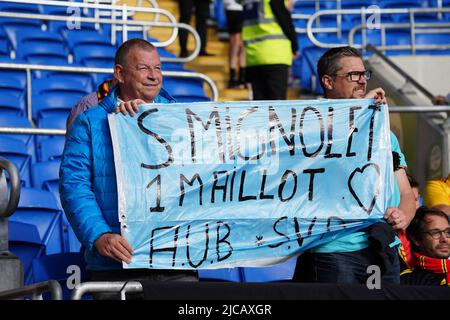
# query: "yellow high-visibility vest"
{"type": "Point", "coordinates": [264, 40]}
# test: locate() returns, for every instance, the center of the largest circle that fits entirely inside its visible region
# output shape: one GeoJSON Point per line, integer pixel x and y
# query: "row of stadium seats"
{"type": "Point", "coordinates": [54, 94]}
{"type": "Point", "coordinates": [309, 6]}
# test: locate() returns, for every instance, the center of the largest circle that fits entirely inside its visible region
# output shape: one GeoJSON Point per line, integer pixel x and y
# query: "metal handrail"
{"type": "Point", "coordinates": [419, 109]}
{"type": "Point", "coordinates": [29, 67]}
{"type": "Point", "coordinates": [142, 23]}
{"type": "Point", "coordinates": [413, 47]}
{"type": "Point", "coordinates": [399, 70]}
{"type": "Point", "coordinates": [98, 13]}
{"type": "Point", "coordinates": [123, 21]}
{"type": "Point", "coordinates": [364, 12]}
{"type": "Point", "coordinates": [121, 287]}
{"type": "Point", "coordinates": [7, 209]}
{"type": "Point", "coordinates": [35, 290]}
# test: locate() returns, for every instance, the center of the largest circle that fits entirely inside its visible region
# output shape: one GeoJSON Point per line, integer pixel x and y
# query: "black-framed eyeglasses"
{"type": "Point", "coordinates": [436, 234]}
{"type": "Point", "coordinates": [355, 76]}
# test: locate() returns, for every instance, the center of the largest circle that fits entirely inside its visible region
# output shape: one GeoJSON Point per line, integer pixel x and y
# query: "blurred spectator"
{"type": "Point", "coordinates": [236, 52]}
{"type": "Point", "coordinates": [88, 101]}
{"type": "Point", "coordinates": [270, 42]}
{"type": "Point", "coordinates": [441, 100]}
{"type": "Point", "coordinates": [429, 233]}
{"type": "Point", "coordinates": [201, 16]}
{"type": "Point", "coordinates": [437, 194]}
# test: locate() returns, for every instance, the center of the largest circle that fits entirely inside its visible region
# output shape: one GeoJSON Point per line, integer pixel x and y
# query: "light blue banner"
{"type": "Point", "coordinates": [213, 185]}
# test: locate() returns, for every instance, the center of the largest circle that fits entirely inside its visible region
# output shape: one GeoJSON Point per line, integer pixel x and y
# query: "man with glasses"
{"type": "Point", "coordinates": [346, 259]}
{"type": "Point", "coordinates": [429, 233]}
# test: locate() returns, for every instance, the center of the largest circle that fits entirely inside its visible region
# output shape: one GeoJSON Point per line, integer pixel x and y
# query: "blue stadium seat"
{"type": "Point", "coordinates": [25, 242]}
{"type": "Point", "coordinates": [5, 45]}
{"type": "Point", "coordinates": [94, 50]}
{"type": "Point", "coordinates": [304, 7]}
{"type": "Point", "coordinates": [19, 7]}
{"type": "Point", "coordinates": [219, 15]}
{"type": "Point", "coordinates": [310, 56]}
{"type": "Point", "coordinates": [60, 267]}
{"type": "Point", "coordinates": [46, 59]}
{"type": "Point", "coordinates": [130, 35]}
{"type": "Point", "coordinates": [30, 47]}
{"type": "Point", "coordinates": [403, 4]}
{"type": "Point", "coordinates": [421, 17]}
{"type": "Point", "coordinates": [17, 122]}
{"type": "Point", "coordinates": [45, 176]}
{"type": "Point", "coordinates": [398, 37]}
{"type": "Point", "coordinates": [49, 122]}
{"type": "Point", "coordinates": [17, 152]}
{"type": "Point", "coordinates": [50, 149]}
{"type": "Point", "coordinates": [172, 66]}
{"type": "Point", "coordinates": [11, 86]}
{"type": "Point", "coordinates": [76, 37]}
{"type": "Point", "coordinates": [36, 228]}
{"type": "Point", "coordinates": [54, 102]}
{"type": "Point", "coordinates": [357, 4]}
{"type": "Point", "coordinates": [372, 36]}
{"type": "Point", "coordinates": [17, 75]}
{"type": "Point", "coordinates": [98, 62]}
{"type": "Point", "coordinates": [433, 39]}
{"type": "Point", "coordinates": [40, 208]}
{"type": "Point", "coordinates": [280, 272]}
{"type": "Point", "coordinates": [11, 105]}
{"type": "Point", "coordinates": [224, 274]}
{"type": "Point", "coordinates": [62, 26]}
{"type": "Point", "coordinates": [83, 80]}
{"type": "Point", "coordinates": [20, 29]}
{"type": "Point", "coordinates": [181, 88]}
{"type": "Point", "coordinates": [67, 85]}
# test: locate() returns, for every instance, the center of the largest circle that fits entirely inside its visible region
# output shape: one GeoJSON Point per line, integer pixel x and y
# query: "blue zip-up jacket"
{"type": "Point", "coordinates": [87, 184]}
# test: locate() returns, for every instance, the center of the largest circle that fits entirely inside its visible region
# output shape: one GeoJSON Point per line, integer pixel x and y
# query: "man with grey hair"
{"type": "Point", "coordinates": [88, 185]}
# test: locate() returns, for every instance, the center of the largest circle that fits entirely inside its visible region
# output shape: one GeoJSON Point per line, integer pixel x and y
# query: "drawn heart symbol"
{"type": "Point", "coordinates": [366, 183]}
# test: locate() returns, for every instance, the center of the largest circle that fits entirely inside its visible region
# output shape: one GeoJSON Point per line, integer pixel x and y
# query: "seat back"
{"type": "Point", "coordinates": [280, 272]}
{"type": "Point", "coordinates": [25, 242]}
{"type": "Point", "coordinates": [224, 274]}
{"type": "Point", "coordinates": [17, 152]}
{"type": "Point", "coordinates": [67, 268]}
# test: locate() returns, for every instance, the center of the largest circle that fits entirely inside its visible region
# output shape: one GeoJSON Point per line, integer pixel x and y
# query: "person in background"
{"type": "Point", "coordinates": [441, 100]}
{"type": "Point", "coordinates": [201, 17]}
{"type": "Point", "coordinates": [236, 52]}
{"type": "Point", "coordinates": [346, 259]}
{"type": "Point", "coordinates": [429, 233]}
{"type": "Point", "coordinates": [270, 44]}
{"type": "Point", "coordinates": [437, 194]}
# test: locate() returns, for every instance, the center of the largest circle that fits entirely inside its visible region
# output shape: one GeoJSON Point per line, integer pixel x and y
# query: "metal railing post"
{"type": "Point", "coordinates": [446, 148]}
